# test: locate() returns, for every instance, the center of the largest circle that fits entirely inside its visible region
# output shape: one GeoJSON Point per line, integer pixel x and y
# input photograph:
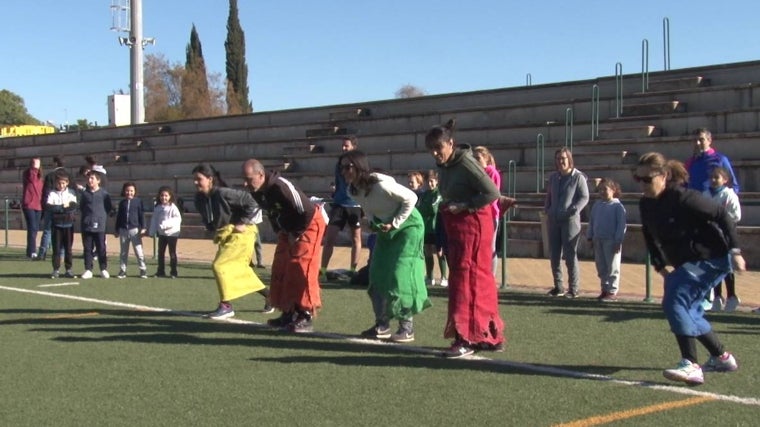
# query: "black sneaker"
{"type": "Point", "coordinates": [268, 309]}
{"type": "Point", "coordinates": [555, 293]}
{"type": "Point", "coordinates": [284, 320]}
{"type": "Point", "coordinates": [402, 335]}
{"type": "Point", "coordinates": [377, 332]}
{"type": "Point", "coordinates": [571, 295]}
{"type": "Point", "coordinates": [457, 350]}
{"type": "Point", "coordinates": [496, 348]}
{"type": "Point", "coordinates": [302, 324]}
{"type": "Point", "coordinates": [122, 274]}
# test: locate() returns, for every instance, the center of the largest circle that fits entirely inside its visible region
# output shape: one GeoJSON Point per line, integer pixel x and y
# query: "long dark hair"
{"type": "Point", "coordinates": [364, 179]}
{"type": "Point", "coordinates": [209, 171]}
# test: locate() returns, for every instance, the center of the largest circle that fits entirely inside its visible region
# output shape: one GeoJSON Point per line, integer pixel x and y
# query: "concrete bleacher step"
{"type": "Point", "coordinates": [594, 158]}
{"type": "Point", "coordinates": [328, 131]}
{"type": "Point", "coordinates": [623, 130]}
{"type": "Point", "coordinates": [524, 248]}
{"type": "Point", "coordinates": [352, 114]}
{"type": "Point", "coordinates": [653, 108]}
{"type": "Point", "coordinates": [302, 149]}
{"type": "Point", "coordinates": [678, 84]}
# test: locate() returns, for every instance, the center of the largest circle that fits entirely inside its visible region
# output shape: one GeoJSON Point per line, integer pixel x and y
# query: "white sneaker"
{"type": "Point", "coordinates": [724, 363]}
{"type": "Point", "coordinates": [104, 274]}
{"type": "Point", "coordinates": [717, 304]}
{"type": "Point", "coordinates": [732, 303]}
{"type": "Point", "coordinates": [87, 274]}
{"type": "Point", "coordinates": [444, 283]}
{"type": "Point", "coordinates": [687, 372]}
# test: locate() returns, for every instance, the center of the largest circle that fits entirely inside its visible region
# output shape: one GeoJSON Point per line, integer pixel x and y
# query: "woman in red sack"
{"type": "Point", "coordinates": [473, 313]}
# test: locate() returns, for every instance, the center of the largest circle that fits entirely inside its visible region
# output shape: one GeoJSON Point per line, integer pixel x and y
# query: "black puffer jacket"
{"type": "Point", "coordinates": [682, 225]}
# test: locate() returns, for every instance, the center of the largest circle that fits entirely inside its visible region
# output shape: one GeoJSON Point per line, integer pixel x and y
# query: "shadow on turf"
{"type": "Point", "coordinates": [77, 326]}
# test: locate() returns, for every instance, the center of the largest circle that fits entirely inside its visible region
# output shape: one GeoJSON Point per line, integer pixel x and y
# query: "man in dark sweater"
{"type": "Point", "coordinates": [299, 225]}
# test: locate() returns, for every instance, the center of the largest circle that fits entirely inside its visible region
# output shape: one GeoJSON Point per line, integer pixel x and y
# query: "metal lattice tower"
{"type": "Point", "coordinates": [120, 16]}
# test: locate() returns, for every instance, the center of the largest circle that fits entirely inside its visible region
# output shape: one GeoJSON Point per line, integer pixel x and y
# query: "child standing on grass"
{"type": "Point", "coordinates": [428, 206]}
{"type": "Point", "coordinates": [721, 190]}
{"type": "Point", "coordinates": [166, 223]}
{"type": "Point", "coordinates": [130, 226]}
{"type": "Point", "coordinates": [606, 230]}
{"type": "Point", "coordinates": [62, 204]}
{"type": "Point", "coordinates": [95, 207]}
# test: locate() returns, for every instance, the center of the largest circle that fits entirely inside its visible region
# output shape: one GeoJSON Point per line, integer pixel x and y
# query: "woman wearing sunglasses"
{"type": "Point", "coordinates": [696, 237]}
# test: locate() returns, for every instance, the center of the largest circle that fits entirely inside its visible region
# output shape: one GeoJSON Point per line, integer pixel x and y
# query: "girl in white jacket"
{"type": "Point", "coordinates": [722, 192]}
{"type": "Point", "coordinates": [165, 224]}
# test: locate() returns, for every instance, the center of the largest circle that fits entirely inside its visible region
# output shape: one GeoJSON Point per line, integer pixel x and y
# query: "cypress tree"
{"type": "Point", "coordinates": [196, 101]}
{"type": "Point", "coordinates": [237, 69]}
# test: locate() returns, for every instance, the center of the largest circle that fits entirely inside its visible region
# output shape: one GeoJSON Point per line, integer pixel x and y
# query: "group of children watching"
{"type": "Point", "coordinates": [94, 206]}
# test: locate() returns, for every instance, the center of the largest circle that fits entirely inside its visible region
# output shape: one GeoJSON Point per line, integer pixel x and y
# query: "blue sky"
{"type": "Point", "coordinates": [62, 58]}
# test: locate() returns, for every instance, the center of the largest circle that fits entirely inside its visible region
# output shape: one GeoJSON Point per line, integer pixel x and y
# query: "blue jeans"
{"type": "Point", "coordinates": [47, 226]}
{"type": "Point", "coordinates": [32, 218]}
{"type": "Point", "coordinates": [685, 289]}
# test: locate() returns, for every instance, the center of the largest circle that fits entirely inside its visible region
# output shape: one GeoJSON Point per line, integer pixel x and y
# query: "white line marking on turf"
{"type": "Point", "coordinates": [524, 366]}
{"type": "Point", "coordinates": [53, 285]}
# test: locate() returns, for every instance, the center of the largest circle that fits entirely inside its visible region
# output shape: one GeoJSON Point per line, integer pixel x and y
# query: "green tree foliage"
{"type": "Point", "coordinates": [196, 101]}
{"type": "Point", "coordinates": [237, 69]}
{"type": "Point", "coordinates": [13, 110]}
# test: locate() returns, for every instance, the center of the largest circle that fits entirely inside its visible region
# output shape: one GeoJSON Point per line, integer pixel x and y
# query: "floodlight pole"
{"type": "Point", "coordinates": [136, 43]}
{"type": "Point", "coordinates": [136, 84]}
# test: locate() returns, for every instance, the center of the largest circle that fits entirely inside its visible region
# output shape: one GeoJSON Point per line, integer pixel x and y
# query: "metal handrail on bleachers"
{"type": "Point", "coordinates": [594, 112]}
{"type": "Point", "coordinates": [644, 65]}
{"type": "Point", "coordinates": [569, 128]}
{"type": "Point", "coordinates": [666, 43]}
{"type": "Point", "coordinates": [511, 192]}
{"type": "Point", "coordinates": [540, 166]}
{"type": "Point", "coordinates": [618, 89]}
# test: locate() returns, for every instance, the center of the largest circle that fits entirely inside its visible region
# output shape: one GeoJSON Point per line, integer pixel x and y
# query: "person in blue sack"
{"type": "Point", "coordinates": [696, 238]}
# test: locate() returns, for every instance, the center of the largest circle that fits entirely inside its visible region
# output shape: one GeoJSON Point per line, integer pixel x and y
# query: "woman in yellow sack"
{"type": "Point", "coordinates": [229, 213]}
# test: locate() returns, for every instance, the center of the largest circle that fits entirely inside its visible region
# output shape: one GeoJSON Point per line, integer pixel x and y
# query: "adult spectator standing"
{"type": "Point", "coordinates": [566, 196]}
{"type": "Point", "coordinates": [704, 160]}
{"type": "Point", "coordinates": [31, 204]}
{"type": "Point", "coordinates": [47, 220]}
{"type": "Point", "coordinates": [345, 211]}
{"type": "Point", "coordinates": [300, 226]}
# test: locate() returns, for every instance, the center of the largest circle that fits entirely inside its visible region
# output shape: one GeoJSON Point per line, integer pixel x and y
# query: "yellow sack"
{"type": "Point", "coordinates": [234, 275]}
